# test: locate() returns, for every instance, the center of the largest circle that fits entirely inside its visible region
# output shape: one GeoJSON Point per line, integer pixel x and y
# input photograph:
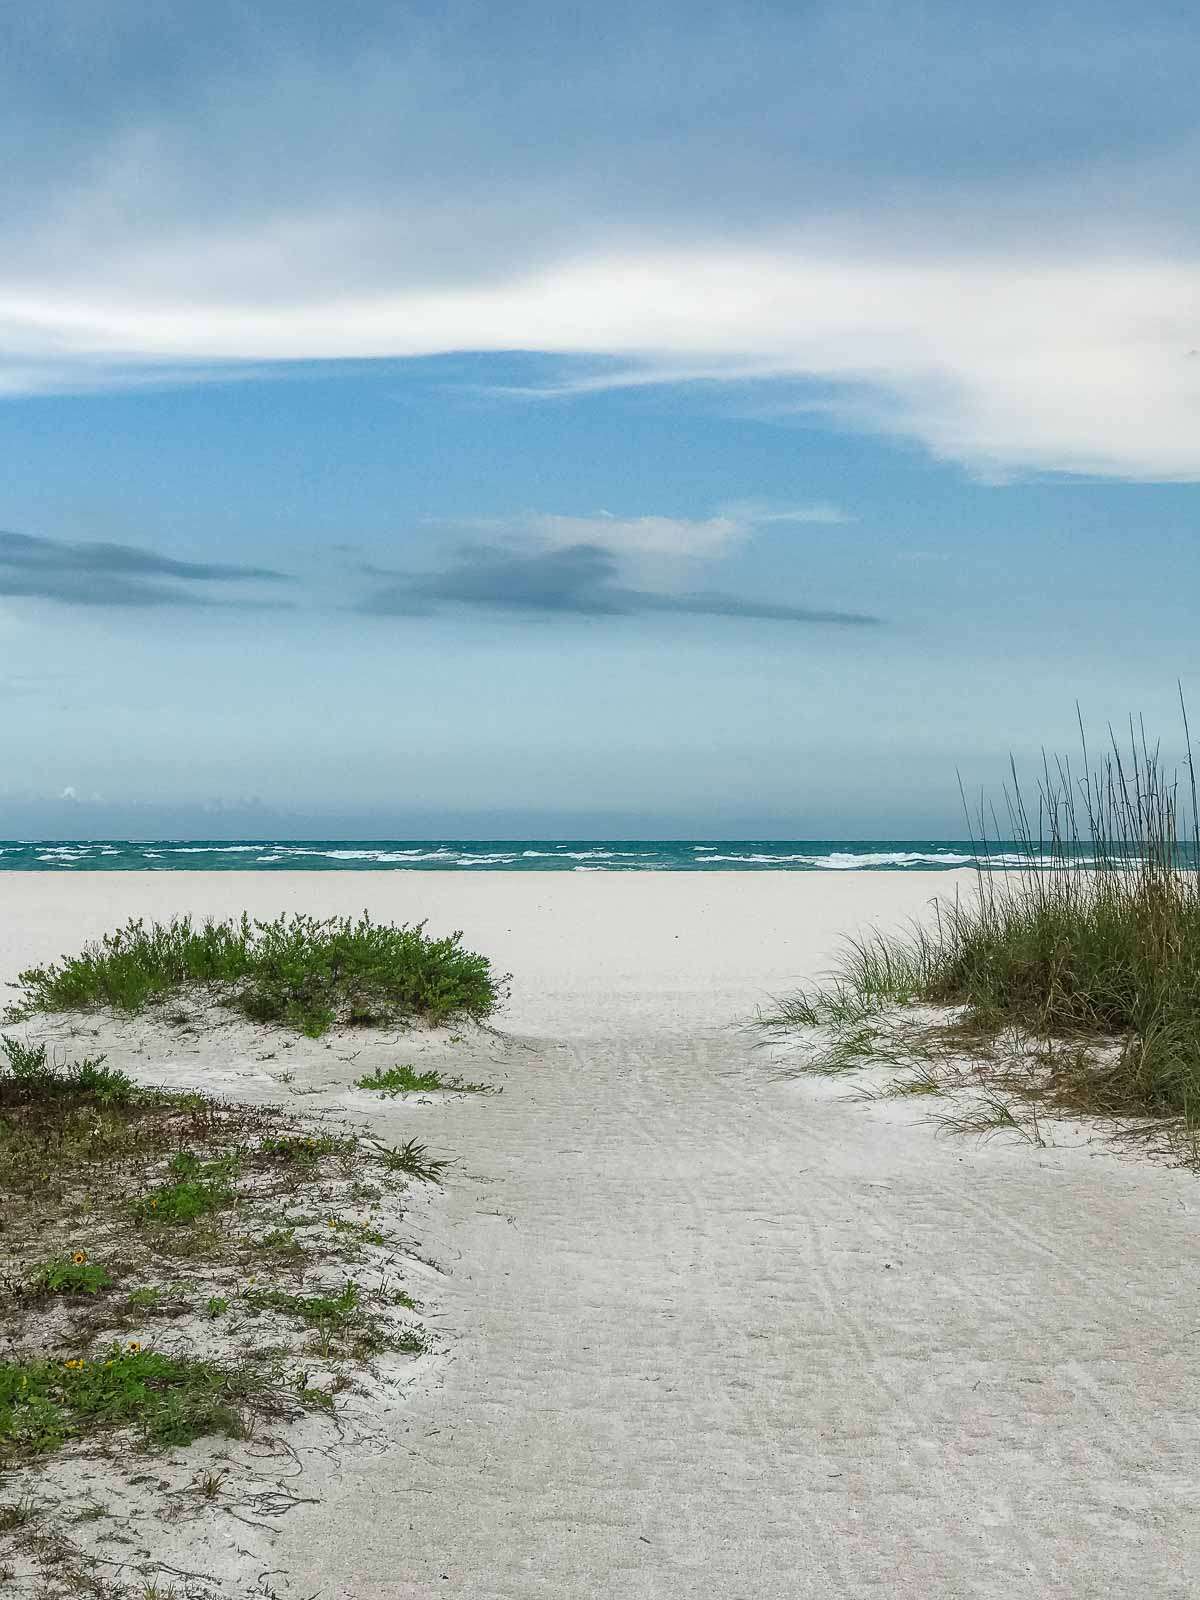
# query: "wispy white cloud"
{"type": "Point", "coordinates": [1002, 362]}
{"type": "Point", "coordinates": [658, 539]}
{"type": "Point", "coordinates": [764, 513]}
{"type": "Point", "coordinates": [976, 234]}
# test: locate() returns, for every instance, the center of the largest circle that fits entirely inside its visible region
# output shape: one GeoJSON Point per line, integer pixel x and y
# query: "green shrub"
{"type": "Point", "coordinates": [407, 1080]}
{"type": "Point", "coordinates": [297, 970]}
{"type": "Point", "coordinates": [70, 1275]}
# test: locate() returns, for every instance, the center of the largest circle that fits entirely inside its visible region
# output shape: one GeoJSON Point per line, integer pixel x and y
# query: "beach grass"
{"type": "Point", "coordinates": [413, 1159]}
{"type": "Point", "coordinates": [1075, 974]}
{"type": "Point", "coordinates": [301, 971]}
{"type": "Point", "coordinates": [165, 1399]}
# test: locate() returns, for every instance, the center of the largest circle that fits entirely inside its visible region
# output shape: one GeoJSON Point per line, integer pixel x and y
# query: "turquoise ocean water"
{"type": "Point", "coordinates": [503, 855]}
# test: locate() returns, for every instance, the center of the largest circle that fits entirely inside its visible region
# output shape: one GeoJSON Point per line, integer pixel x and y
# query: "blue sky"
{"type": "Point", "coordinates": [671, 419]}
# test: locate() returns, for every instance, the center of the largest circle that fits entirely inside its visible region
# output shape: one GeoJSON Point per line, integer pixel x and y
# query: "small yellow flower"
{"type": "Point", "coordinates": [79, 1258]}
{"type": "Point", "coordinates": [134, 1346]}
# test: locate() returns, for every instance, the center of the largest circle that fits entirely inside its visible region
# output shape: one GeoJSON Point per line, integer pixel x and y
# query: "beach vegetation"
{"type": "Point", "coordinates": [33, 1077]}
{"type": "Point", "coordinates": [1070, 977]}
{"type": "Point", "coordinates": [412, 1159]}
{"type": "Point", "coordinates": [184, 1200]}
{"type": "Point", "coordinates": [408, 1080]}
{"type": "Point", "coordinates": [73, 1274]}
{"type": "Point", "coordinates": [103, 1180]}
{"type": "Point", "coordinates": [305, 1151]}
{"type": "Point", "coordinates": [299, 971]}
{"type": "Point", "coordinates": [166, 1399]}
{"type": "Point", "coordinates": [342, 1322]}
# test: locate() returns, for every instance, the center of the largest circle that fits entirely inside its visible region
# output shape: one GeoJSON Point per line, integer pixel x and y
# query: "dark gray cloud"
{"type": "Point", "coordinates": [101, 574]}
{"type": "Point", "coordinates": [577, 580]}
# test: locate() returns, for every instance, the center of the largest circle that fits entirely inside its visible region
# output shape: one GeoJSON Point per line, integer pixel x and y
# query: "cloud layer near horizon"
{"type": "Point", "coordinates": [979, 234]}
{"type": "Point", "coordinates": [556, 572]}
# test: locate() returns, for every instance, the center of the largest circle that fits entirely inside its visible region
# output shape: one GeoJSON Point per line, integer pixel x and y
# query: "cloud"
{"type": "Point", "coordinates": [697, 538]}
{"type": "Point", "coordinates": [765, 513]}
{"type": "Point", "coordinates": [660, 536]}
{"type": "Point", "coordinates": [102, 574]}
{"type": "Point", "coordinates": [979, 236]}
{"type": "Point", "coordinates": [1019, 361]}
{"type": "Point", "coordinates": [572, 580]}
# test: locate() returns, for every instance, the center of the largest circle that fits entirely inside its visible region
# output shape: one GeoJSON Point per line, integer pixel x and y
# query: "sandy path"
{"type": "Point", "coordinates": [726, 1336]}
{"type": "Point", "coordinates": [716, 1333]}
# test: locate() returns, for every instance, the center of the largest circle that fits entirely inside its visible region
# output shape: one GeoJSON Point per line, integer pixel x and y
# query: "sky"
{"type": "Point", "coordinates": [550, 420]}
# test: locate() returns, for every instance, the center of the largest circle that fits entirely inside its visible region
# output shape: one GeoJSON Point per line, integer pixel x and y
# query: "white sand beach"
{"type": "Point", "coordinates": [711, 1330]}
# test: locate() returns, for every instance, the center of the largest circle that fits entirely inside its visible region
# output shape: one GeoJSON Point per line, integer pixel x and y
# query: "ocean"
{"type": "Point", "coordinates": [497, 855]}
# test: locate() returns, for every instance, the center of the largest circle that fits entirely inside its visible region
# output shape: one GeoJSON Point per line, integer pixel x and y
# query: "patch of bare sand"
{"type": "Point", "coordinates": [712, 1330]}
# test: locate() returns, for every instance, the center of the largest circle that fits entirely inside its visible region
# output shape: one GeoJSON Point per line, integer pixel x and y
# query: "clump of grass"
{"type": "Point", "coordinates": [1092, 938]}
{"type": "Point", "coordinates": [168, 1400]}
{"type": "Point", "coordinates": [414, 1160]}
{"type": "Point", "coordinates": [340, 1322]}
{"type": "Point", "coordinates": [18, 1514]}
{"type": "Point", "coordinates": [314, 1310]}
{"type": "Point", "coordinates": [282, 1243]}
{"type": "Point", "coordinates": [300, 971]}
{"type": "Point", "coordinates": [990, 1114]}
{"type": "Point", "coordinates": [360, 1233]}
{"type": "Point", "coordinates": [407, 1080]}
{"type": "Point", "coordinates": [411, 1342]}
{"type": "Point", "coordinates": [209, 1483]}
{"type": "Point", "coordinates": [305, 1151]}
{"type": "Point", "coordinates": [199, 1188]}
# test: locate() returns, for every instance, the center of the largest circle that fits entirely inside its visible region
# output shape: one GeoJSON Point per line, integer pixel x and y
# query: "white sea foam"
{"type": "Point", "coordinates": [211, 849]}
{"type": "Point", "coordinates": [377, 855]}
{"type": "Point", "coordinates": [594, 854]}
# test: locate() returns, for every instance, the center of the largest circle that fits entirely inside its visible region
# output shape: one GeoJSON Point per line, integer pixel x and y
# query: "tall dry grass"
{"type": "Point", "coordinates": [1093, 935]}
